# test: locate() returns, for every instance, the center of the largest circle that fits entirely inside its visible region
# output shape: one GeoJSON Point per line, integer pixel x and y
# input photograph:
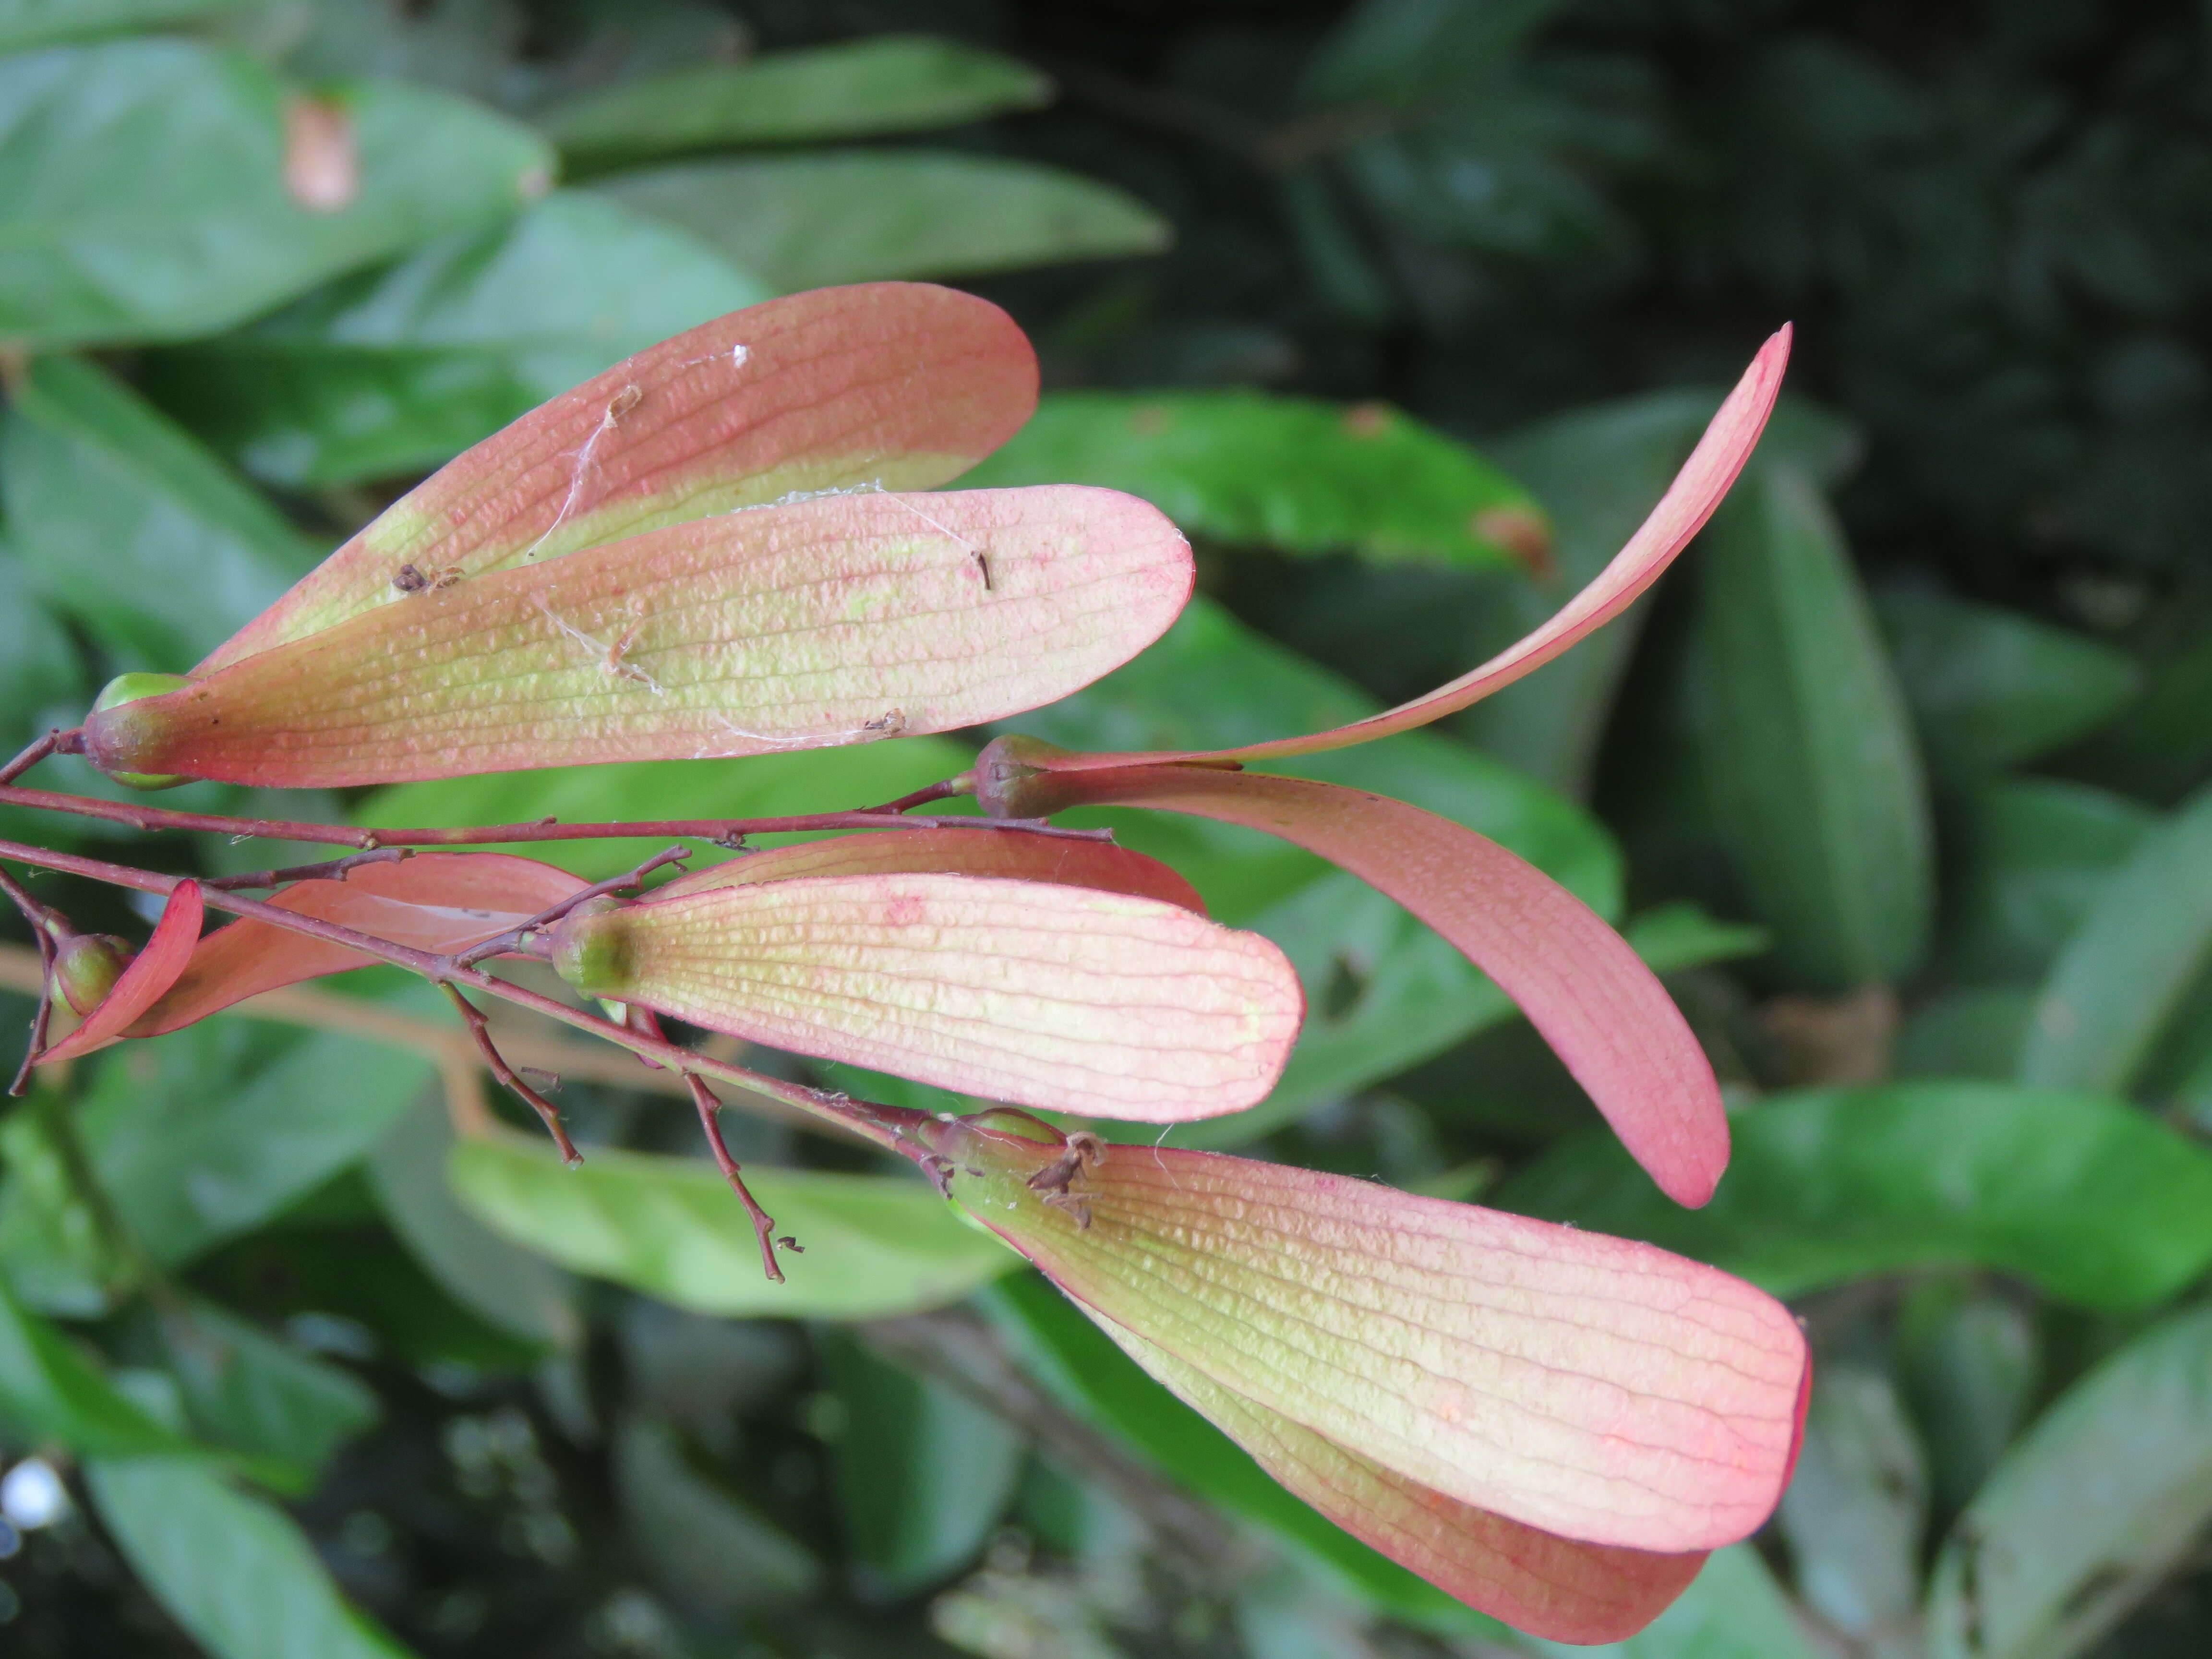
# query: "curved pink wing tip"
{"type": "Point", "coordinates": [151, 972]}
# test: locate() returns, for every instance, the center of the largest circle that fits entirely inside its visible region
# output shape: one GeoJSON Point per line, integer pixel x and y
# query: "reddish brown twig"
{"type": "Point", "coordinates": [547, 1111]}
{"type": "Point", "coordinates": [723, 832]}
{"type": "Point", "coordinates": [54, 743]}
{"type": "Point", "coordinates": [513, 938]}
{"type": "Point", "coordinates": [763, 1225]}
{"type": "Point", "coordinates": [38, 916]}
{"type": "Point", "coordinates": [327, 870]}
{"type": "Point", "coordinates": [895, 1128]}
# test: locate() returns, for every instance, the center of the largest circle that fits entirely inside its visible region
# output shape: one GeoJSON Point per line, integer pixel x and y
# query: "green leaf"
{"type": "Point", "coordinates": [1290, 473]}
{"type": "Point", "coordinates": [1991, 689]}
{"type": "Point", "coordinates": [1732, 1610]}
{"type": "Point", "coordinates": [26, 23]}
{"type": "Point", "coordinates": [2108, 1491]}
{"type": "Point", "coordinates": [145, 197]}
{"type": "Point", "coordinates": [891, 83]}
{"type": "Point", "coordinates": [2030, 857]}
{"type": "Point", "coordinates": [1854, 1509]}
{"type": "Point", "coordinates": [39, 666]}
{"type": "Point", "coordinates": [671, 1227]}
{"type": "Point", "coordinates": [1081, 1365]}
{"type": "Point", "coordinates": [701, 1543]}
{"type": "Point", "coordinates": [397, 370]}
{"type": "Point", "coordinates": [1803, 741]}
{"type": "Point", "coordinates": [234, 1571]}
{"type": "Point", "coordinates": [1970, 1364]}
{"type": "Point", "coordinates": [205, 1134]}
{"type": "Point", "coordinates": [250, 1391]}
{"type": "Point", "coordinates": [812, 221]}
{"type": "Point", "coordinates": [2090, 1200]}
{"type": "Point", "coordinates": [1977, 1031]}
{"type": "Point", "coordinates": [126, 524]}
{"type": "Point", "coordinates": [761, 786]}
{"type": "Point", "coordinates": [921, 1474]}
{"type": "Point", "coordinates": [519, 1293]}
{"type": "Point", "coordinates": [55, 1251]}
{"type": "Point", "coordinates": [2142, 945]}
{"type": "Point", "coordinates": [51, 1392]}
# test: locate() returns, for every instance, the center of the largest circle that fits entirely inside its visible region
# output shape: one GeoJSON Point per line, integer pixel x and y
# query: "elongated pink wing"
{"type": "Point", "coordinates": [1022, 991]}
{"type": "Point", "coordinates": [150, 973]}
{"type": "Point", "coordinates": [1697, 490]}
{"type": "Point", "coordinates": [1015, 854]}
{"type": "Point", "coordinates": [902, 385]}
{"type": "Point", "coordinates": [436, 902]}
{"type": "Point", "coordinates": [1557, 1588]}
{"type": "Point", "coordinates": [838, 620]}
{"type": "Point", "coordinates": [1592, 1387]}
{"type": "Point", "coordinates": [1602, 1011]}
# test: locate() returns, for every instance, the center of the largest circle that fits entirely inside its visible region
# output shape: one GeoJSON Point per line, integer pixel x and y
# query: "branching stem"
{"type": "Point", "coordinates": [763, 1225]}
{"type": "Point", "coordinates": [890, 1127]}
{"type": "Point", "coordinates": [513, 938]}
{"type": "Point", "coordinates": [480, 1032]}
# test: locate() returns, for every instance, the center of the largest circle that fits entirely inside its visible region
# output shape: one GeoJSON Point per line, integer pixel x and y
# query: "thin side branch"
{"type": "Point", "coordinates": [38, 916]}
{"type": "Point", "coordinates": [763, 1225]}
{"type": "Point", "coordinates": [501, 943]}
{"type": "Point", "coordinates": [327, 870]}
{"type": "Point", "coordinates": [893, 1129]}
{"type": "Point", "coordinates": [54, 743]}
{"type": "Point", "coordinates": [548, 1113]}
{"type": "Point", "coordinates": [723, 832]}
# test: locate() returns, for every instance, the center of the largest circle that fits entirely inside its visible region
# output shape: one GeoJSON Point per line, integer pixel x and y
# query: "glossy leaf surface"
{"type": "Point", "coordinates": [804, 222]}
{"type": "Point", "coordinates": [2122, 975]}
{"type": "Point", "coordinates": [2106, 1492]}
{"type": "Point", "coordinates": [127, 525]}
{"type": "Point", "coordinates": [875, 1245]}
{"type": "Point", "coordinates": [400, 370]}
{"type": "Point", "coordinates": [145, 197]}
{"type": "Point", "coordinates": [1990, 688]}
{"type": "Point", "coordinates": [1461, 1348]}
{"type": "Point", "coordinates": [891, 84]}
{"type": "Point", "coordinates": [1041, 995]}
{"type": "Point", "coordinates": [437, 901]}
{"type": "Point", "coordinates": [1290, 473]}
{"type": "Point", "coordinates": [232, 1569]}
{"type": "Point", "coordinates": [1697, 491]}
{"type": "Point", "coordinates": [898, 387]}
{"type": "Point", "coordinates": [2089, 1199]}
{"type": "Point", "coordinates": [1804, 742]}
{"type": "Point", "coordinates": [167, 953]}
{"type": "Point", "coordinates": [831, 621]}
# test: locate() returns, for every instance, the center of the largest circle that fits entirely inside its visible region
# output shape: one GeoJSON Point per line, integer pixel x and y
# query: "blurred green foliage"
{"type": "Point", "coordinates": [1901, 779]}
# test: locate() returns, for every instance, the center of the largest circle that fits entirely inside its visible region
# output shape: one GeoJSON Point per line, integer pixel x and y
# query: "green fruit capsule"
{"type": "Point", "coordinates": [128, 689]}
{"type": "Point", "coordinates": [86, 966]}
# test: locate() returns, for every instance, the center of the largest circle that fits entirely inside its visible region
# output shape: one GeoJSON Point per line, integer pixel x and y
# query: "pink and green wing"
{"type": "Point", "coordinates": [1027, 992]}
{"type": "Point", "coordinates": [1592, 1387]}
{"type": "Point", "coordinates": [436, 902]}
{"type": "Point", "coordinates": [838, 620]}
{"type": "Point", "coordinates": [894, 386]}
{"type": "Point", "coordinates": [150, 973]}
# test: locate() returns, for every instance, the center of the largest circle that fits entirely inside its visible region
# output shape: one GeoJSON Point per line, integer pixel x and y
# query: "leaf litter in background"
{"type": "Point", "coordinates": [2088, 1199]}
{"type": "Point", "coordinates": [921, 1474]}
{"type": "Point", "coordinates": [872, 1244]}
{"type": "Point", "coordinates": [398, 370]}
{"type": "Point", "coordinates": [1992, 688]}
{"type": "Point", "coordinates": [232, 1569]}
{"type": "Point", "coordinates": [1292, 474]}
{"type": "Point", "coordinates": [813, 221]}
{"type": "Point", "coordinates": [2106, 1492]}
{"type": "Point", "coordinates": [2120, 978]}
{"type": "Point", "coordinates": [124, 523]}
{"type": "Point", "coordinates": [1803, 743]}
{"type": "Point", "coordinates": [145, 197]}
{"type": "Point", "coordinates": [887, 84]}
